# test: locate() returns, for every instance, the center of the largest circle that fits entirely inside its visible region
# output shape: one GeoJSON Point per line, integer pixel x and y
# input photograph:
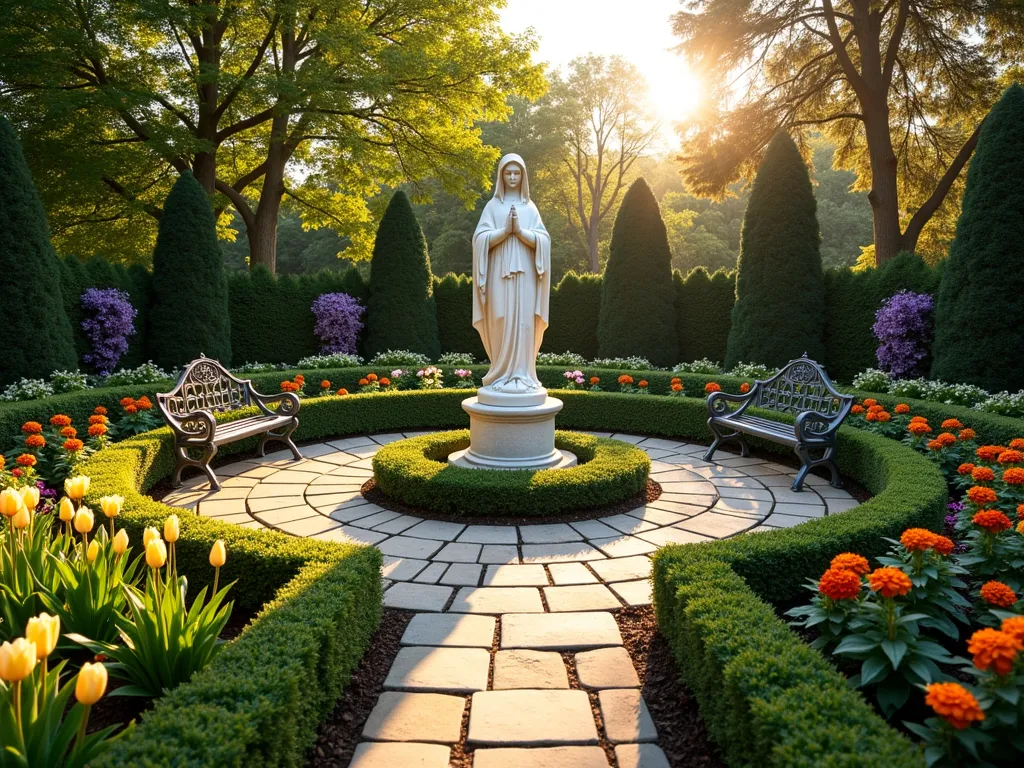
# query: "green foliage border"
{"type": "Point", "coordinates": [415, 472]}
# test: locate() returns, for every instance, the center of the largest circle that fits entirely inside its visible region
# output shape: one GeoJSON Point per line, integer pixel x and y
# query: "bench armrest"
{"type": "Point", "coordinates": [288, 403]}
{"type": "Point", "coordinates": [807, 427]}
{"type": "Point", "coordinates": [197, 425]}
{"type": "Point", "coordinates": [718, 402]}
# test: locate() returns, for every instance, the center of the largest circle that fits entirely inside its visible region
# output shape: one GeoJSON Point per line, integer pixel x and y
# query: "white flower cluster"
{"type": "Point", "coordinates": [398, 357]}
{"type": "Point", "coordinates": [624, 364]}
{"type": "Point", "coordinates": [456, 358]}
{"type": "Point", "coordinates": [699, 366]}
{"type": "Point", "coordinates": [336, 360]}
{"type": "Point", "coordinates": [967, 395]}
{"type": "Point", "coordinates": [147, 373]}
{"type": "Point", "coordinates": [561, 358]}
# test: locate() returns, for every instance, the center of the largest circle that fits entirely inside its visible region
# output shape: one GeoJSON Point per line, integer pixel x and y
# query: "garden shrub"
{"type": "Point", "coordinates": [780, 294]}
{"type": "Point", "coordinates": [400, 308]}
{"type": "Point", "coordinates": [37, 338]}
{"type": "Point", "coordinates": [453, 296]}
{"type": "Point", "coordinates": [983, 278]}
{"type": "Point", "coordinates": [415, 471]}
{"type": "Point", "coordinates": [574, 315]}
{"type": "Point", "coordinates": [339, 319]}
{"type": "Point", "coordinates": [189, 315]}
{"type": "Point", "coordinates": [903, 327]}
{"type": "Point", "coordinates": [638, 315]}
{"type": "Point", "coordinates": [703, 313]}
{"type": "Point", "coordinates": [110, 322]}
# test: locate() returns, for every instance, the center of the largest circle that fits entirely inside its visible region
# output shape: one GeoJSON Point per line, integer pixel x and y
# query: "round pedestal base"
{"type": "Point", "coordinates": [516, 436]}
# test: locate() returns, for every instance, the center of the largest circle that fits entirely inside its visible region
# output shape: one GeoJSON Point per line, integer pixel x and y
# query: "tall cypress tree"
{"type": "Point", "coordinates": [36, 339]}
{"type": "Point", "coordinates": [400, 310]}
{"type": "Point", "coordinates": [779, 312]}
{"type": "Point", "coordinates": [638, 314]}
{"type": "Point", "coordinates": [190, 290]}
{"type": "Point", "coordinates": [978, 333]}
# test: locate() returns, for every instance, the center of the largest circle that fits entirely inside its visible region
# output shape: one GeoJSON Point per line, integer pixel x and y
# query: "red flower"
{"type": "Point", "coordinates": [744, 388]}
{"type": "Point", "coordinates": [595, 380]}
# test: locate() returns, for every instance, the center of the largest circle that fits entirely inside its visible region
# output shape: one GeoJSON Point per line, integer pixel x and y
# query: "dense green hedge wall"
{"type": "Point", "coordinates": [574, 313]}
{"type": "Point", "coordinates": [261, 701]}
{"type": "Point", "coordinates": [703, 313]}
{"type": "Point", "coordinates": [414, 471]}
{"type": "Point", "coordinates": [453, 295]}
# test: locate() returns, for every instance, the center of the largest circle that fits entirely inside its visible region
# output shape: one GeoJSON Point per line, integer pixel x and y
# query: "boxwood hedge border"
{"type": "Point", "coordinates": [414, 471]}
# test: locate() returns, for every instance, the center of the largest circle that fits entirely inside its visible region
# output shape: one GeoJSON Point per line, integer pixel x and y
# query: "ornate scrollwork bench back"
{"type": "Point", "coordinates": [801, 389]}
{"type": "Point", "coordinates": [206, 387]}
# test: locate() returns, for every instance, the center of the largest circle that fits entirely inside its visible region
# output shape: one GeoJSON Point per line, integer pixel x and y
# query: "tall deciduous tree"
{"type": "Point", "coordinates": [315, 101]}
{"type": "Point", "coordinates": [597, 109]}
{"type": "Point", "coordinates": [900, 86]}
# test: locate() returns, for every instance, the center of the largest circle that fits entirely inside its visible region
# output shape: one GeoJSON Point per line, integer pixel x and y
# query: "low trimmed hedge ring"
{"type": "Point", "coordinates": [415, 471]}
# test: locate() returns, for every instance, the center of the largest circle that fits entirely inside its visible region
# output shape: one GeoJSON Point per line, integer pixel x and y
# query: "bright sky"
{"type": "Point", "coordinates": [638, 30]}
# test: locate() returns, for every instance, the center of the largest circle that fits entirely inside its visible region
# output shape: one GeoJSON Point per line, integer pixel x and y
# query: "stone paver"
{"type": "Point", "coordinates": [417, 597]}
{"type": "Point", "coordinates": [529, 669]}
{"type": "Point", "coordinates": [572, 573]}
{"type": "Point", "coordinates": [383, 755]}
{"type": "Point", "coordinates": [531, 718]}
{"type": "Point", "coordinates": [623, 568]}
{"type": "Point", "coordinates": [559, 631]}
{"type": "Point", "coordinates": [497, 600]}
{"type": "Point", "coordinates": [584, 597]}
{"type": "Point", "coordinates": [450, 629]}
{"type": "Point", "coordinates": [462, 574]}
{"type": "Point", "coordinates": [428, 717]}
{"type": "Point", "coordinates": [625, 716]}
{"type": "Point", "coordinates": [516, 576]}
{"type": "Point", "coordinates": [640, 756]}
{"type": "Point", "coordinates": [633, 592]}
{"type": "Point", "coordinates": [606, 668]}
{"type": "Point", "coordinates": [446, 670]}
{"type": "Point", "coordinates": [543, 757]}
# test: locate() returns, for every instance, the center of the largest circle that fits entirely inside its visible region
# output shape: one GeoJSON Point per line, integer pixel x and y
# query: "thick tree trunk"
{"type": "Point", "coordinates": [263, 241]}
{"type": "Point", "coordinates": [592, 250]}
{"type": "Point", "coordinates": [884, 195]}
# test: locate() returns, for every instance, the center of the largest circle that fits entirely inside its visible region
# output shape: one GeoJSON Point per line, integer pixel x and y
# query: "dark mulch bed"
{"type": "Point", "coordinates": [651, 493]}
{"type": "Point", "coordinates": [342, 730]}
{"type": "Point", "coordinates": [681, 732]}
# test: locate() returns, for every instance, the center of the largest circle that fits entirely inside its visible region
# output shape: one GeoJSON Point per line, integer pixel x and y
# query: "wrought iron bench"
{"type": "Point", "coordinates": [205, 387]}
{"type": "Point", "coordinates": [801, 388]}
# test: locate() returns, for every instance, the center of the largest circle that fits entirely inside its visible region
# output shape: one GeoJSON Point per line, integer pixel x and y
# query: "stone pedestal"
{"type": "Point", "coordinates": [512, 431]}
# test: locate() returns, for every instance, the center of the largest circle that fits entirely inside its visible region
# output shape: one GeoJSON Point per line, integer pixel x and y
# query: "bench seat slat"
{"type": "Point", "coordinates": [231, 431]}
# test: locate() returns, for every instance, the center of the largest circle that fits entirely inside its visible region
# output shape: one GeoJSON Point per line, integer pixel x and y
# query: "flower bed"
{"type": "Point", "coordinates": [415, 471]}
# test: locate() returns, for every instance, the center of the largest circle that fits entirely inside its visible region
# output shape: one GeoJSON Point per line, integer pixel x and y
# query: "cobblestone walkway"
{"type": "Point", "coordinates": [514, 630]}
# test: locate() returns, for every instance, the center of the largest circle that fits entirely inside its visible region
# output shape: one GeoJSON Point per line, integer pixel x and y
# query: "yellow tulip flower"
{"type": "Point", "coordinates": [91, 683]}
{"type": "Point", "coordinates": [218, 555]}
{"type": "Point", "coordinates": [43, 631]}
{"type": "Point", "coordinates": [10, 502]}
{"type": "Point", "coordinates": [171, 530]}
{"type": "Point", "coordinates": [111, 505]}
{"type": "Point", "coordinates": [67, 510]}
{"type": "Point", "coordinates": [76, 487]}
{"type": "Point", "coordinates": [84, 520]}
{"type": "Point", "coordinates": [17, 660]}
{"type": "Point", "coordinates": [156, 553]}
{"type": "Point", "coordinates": [93, 551]}
{"type": "Point", "coordinates": [148, 535]}
{"type": "Point", "coordinates": [30, 497]}
{"type": "Point", "coordinates": [120, 542]}
{"type": "Point", "coordinates": [21, 518]}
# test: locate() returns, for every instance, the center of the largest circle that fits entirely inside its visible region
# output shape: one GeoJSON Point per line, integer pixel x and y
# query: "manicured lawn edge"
{"type": "Point", "coordinates": [412, 471]}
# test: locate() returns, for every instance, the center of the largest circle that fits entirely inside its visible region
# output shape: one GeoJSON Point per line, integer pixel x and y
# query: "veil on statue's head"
{"type": "Point", "coordinates": [499, 183]}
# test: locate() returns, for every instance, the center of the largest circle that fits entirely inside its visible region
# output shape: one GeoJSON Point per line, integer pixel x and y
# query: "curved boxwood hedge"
{"type": "Point", "coordinates": [415, 471]}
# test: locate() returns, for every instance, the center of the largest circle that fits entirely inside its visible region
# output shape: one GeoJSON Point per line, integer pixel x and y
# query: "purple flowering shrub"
{"type": "Point", "coordinates": [110, 321]}
{"type": "Point", "coordinates": [339, 319]}
{"type": "Point", "coordinates": [904, 327]}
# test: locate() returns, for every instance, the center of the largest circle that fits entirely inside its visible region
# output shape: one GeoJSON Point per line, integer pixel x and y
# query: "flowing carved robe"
{"type": "Point", "coordinates": [512, 283]}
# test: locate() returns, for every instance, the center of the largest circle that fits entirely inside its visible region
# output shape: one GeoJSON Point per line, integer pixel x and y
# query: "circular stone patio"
{"type": "Point", "coordinates": [507, 616]}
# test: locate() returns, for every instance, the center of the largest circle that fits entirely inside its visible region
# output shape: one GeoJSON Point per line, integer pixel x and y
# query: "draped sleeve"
{"type": "Point", "coordinates": [542, 260]}
{"type": "Point", "coordinates": [486, 229]}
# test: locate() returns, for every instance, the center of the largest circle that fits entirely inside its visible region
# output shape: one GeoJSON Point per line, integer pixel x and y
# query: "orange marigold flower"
{"type": "Point", "coordinates": [342, 391]}
{"type": "Point", "coordinates": [363, 382]}
{"type": "Point", "coordinates": [744, 388]}
{"type": "Point", "coordinates": [965, 469]}
{"type": "Point", "coordinates": [918, 428]}
{"type": "Point", "coordinates": [967, 434]}
{"type": "Point", "coordinates": [998, 594]}
{"type": "Point", "coordinates": [1020, 527]}
{"type": "Point", "coordinates": [642, 383]}
{"type": "Point", "coordinates": [952, 424]}
{"type": "Point", "coordinates": [98, 418]}
{"type": "Point", "coordinates": [917, 539]}
{"type": "Point", "coordinates": [889, 582]}
{"type": "Point", "coordinates": [31, 427]}
{"type": "Point", "coordinates": [934, 445]}
{"type": "Point", "coordinates": [712, 386]}
{"type": "Point", "coordinates": [995, 650]}
{"type": "Point", "coordinates": [624, 379]}
{"type": "Point", "coordinates": [131, 410]}
{"type": "Point", "coordinates": [677, 387]}
{"type": "Point", "coordinates": [992, 520]}
{"type": "Point", "coordinates": [126, 401]}
{"type": "Point", "coordinates": [1013, 476]}
{"type": "Point", "coordinates": [143, 403]}
{"type": "Point", "coordinates": [1010, 457]}
{"type": "Point", "coordinates": [300, 378]}
{"type": "Point", "coordinates": [839, 584]}
{"type": "Point", "coordinates": [595, 380]}
{"type": "Point", "coordinates": [95, 430]}
{"type": "Point", "coordinates": [983, 474]}
{"type": "Point", "coordinates": [850, 561]}
{"type": "Point", "coordinates": [26, 460]}
{"type": "Point", "coordinates": [371, 377]}
{"type": "Point", "coordinates": [69, 432]}
{"type": "Point", "coordinates": [99, 410]}
{"type": "Point", "coordinates": [871, 415]}
{"type": "Point", "coordinates": [384, 381]}
{"type": "Point", "coordinates": [954, 704]}
{"type": "Point", "coordinates": [35, 441]}
{"type": "Point", "coordinates": [989, 452]}
{"type": "Point", "coordinates": [74, 445]}
{"type": "Point", "coordinates": [857, 409]}
{"type": "Point", "coordinates": [946, 438]}
{"type": "Point", "coordinates": [325, 384]}
{"type": "Point", "coordinates": [1017, 444]}
{"type": "Point", "coordinates": [1020, 511]}
{"type": "Point", "coordinates": [982, 495]}
{"type": "Point", "coordinates": [676, 380]}
{"type": "Point", "coordinates": [60, 420]}
{"type": "Point", "coordinates": [902, 408]}
{"type": "Point", "coordinates": [883, 416]}
{"type": "Point", "coordinates": [943, 545]}
{"type": "Point", "coordinates": [921, 419]}
{"type": "Point", "coordinates": [870, 401]}
{"type": "Point", "coordinates": [1014, 626]}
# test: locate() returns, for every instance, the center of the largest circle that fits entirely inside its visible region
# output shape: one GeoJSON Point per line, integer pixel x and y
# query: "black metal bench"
{"type": "Point", "coordinates": [206, 387]}
{"type": "Point", "coordinates": [801, 388]}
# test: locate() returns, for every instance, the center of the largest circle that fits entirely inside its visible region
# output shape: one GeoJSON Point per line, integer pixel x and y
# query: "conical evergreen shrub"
{"type": "Point", "coordinates": [979, 335]}
{"type": "Point", "coordinates": [780, 292]}
{"type": "Point", "coordinates": [400, 309]}
{"type": "Point", "coordinates": [638, 314]}
{"type": "Point", "coordinates": [35, 333]}
{"type": "Point", "coordinates": [190, 290]}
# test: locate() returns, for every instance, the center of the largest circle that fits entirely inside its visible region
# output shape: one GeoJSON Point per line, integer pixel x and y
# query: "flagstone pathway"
{"type": "Point", "coordinates": [514, 624]}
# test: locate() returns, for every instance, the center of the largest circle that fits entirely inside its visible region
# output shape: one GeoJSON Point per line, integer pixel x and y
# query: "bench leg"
{"type": "Point", "coordinates": [724, 438]}
{"type": "Point", "coordinates": [203, 463]}
{"type": "Point", "coordinates": [827, 460]}
{"type": "Point", "coordinates": [284, 436]}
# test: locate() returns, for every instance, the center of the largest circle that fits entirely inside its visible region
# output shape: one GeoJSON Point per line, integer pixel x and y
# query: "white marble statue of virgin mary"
{"type": "Point", "coordinates": [512, 281]}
